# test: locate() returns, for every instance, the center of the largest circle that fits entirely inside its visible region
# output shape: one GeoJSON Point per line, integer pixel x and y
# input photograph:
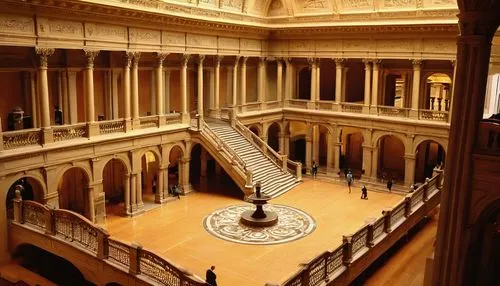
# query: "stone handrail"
{"type": "Point", "coordinates": [351, 107]}
{"type": "Point", "coordinates": [80, 233]}
{"type": "Point", "coordinates": [273, 104]}
{"type": "Point", "coordinates": [331, 266]}
{"type": "Point", "coordinates": [68, 132]}
{"type": "Point", "coordinates": [252, 106]}
{"type": "Point", "coordinates": [298, 103]}
{"type": "Point", "coordinates": [393, 111]}
{"type": "Point", "coordinates": [148, 121]}
{"type": "Point", "coordinates": [21, 138]}
{"type": "Point", "coordinates": [111, 126]}
{"type": "Point", "coordinates": [173, 118]}
{"type": "Point", "coordinates": [326, 105]}
{"type": "Point", "coordinates": [434, 115]}
{"type": "Point", "coordinates": [281, 161]}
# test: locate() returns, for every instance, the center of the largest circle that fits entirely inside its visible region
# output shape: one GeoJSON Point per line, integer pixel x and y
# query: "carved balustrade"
{"type": "Point", "coordinates": [173, 118]}
{"type": "Point", "coordinates": [111, 126]}
{"type": "Point", "coordinates": [273, 104]}
{"type": "Point", "coordinates": [148, 121]}
{"type": "Point", "coordinates": [79, 232]}
{"type": "Point", "coordinates": [68, 132]}
{"type": "Point", "coordinates": [351, 107]}
{"type": "Point", "coordinates": [434, 115]}
{"type": "Point", "coordinates": [298, 103]}
{"type": "Point", "coordinates": [328, 266]}
{"type": "Point", "coordinates": [21, 138]}
{"type": "Point", "coordinates": [393, 111]}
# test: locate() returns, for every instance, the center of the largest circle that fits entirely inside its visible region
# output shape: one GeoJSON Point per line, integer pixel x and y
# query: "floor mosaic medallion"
{"type": "Point", "coordinates": [292, 224]}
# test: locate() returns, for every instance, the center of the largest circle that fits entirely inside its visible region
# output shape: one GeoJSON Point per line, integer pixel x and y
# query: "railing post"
{"type": "Point", "coordinates": [50, 226]}
{"type": "Point", "coordinates": [305, 277]}
{"type": "Point", "coordinates": [347, 250]}
{"type": "Point", "coordinates": [102, 243]}
{"type": "Point", "coordinates": [425, 196]}
{"type": "Point", "coordinates": [284, 159]}
{"type": "Point", "coordinates": [408, 205]}
{"type": "Point", "coordinates": [387, 220]}
{"type": "Point", "coordinates": [298, 172]}
{"type": "Point", "coordinates": [369, 236]}
{"type": "Point", "coordinates": [18, 207]}
{"type": "Point", "coordinates": [135, 258]}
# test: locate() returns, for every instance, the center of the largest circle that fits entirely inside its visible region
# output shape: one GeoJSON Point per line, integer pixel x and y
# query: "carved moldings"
{"type": "Point", "coordinates": [399, 3]}
{"type": "Point", "coordinates": [250, 45]}
{"type": "Point", "coordinates": [173, 40]}
{"type": "Point", "coordinates": [105, 32]}
{"type": "Point", "coordinates": [357, 4]}
{"type": "Point", "coordinates": [314, 4]}
{"type": "Point", "coordinates": [302, 45]}
{"type": "Point", "coordinates": [440, 45]}
{"type": "Point", "coordinates": [229, 43]}
{"type": "Point", "coordinates": [90, 55]}
{"type": "Point", "coordinates": [395, 45]}
{"type": "Point", "coordinates": [233, 4]}
{"type": "Point", "coordinates": [44, 54]}
{"type": "Point", "coordinates": [357, 45]}
{"type": "Point", "coordinates": [17, 25]}
{"type": "Point", "coordinates": [144, 36]}
{"type": "Point", "coordinates": [51, 27]}
{"type": "Point", "coordinates": [196, 41]}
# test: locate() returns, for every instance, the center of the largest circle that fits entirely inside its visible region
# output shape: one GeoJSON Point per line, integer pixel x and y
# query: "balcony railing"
{"type": "Point", "coordinates": [434, 115]}
{"type": "Point", "coordinates": [393, 111]}
{"type": "Point", "coordinates": [360, 249]}
{"type": "Point", "coordinates": [78, 232]}
{"type": "Point", "coordinates": [351, 107]}
{"type": "Point", "coordinates": [111, 126]}
{"type": "Point", "coordinates": [68, 132]}
{"type": "Point", "coordinates": [21, 138]}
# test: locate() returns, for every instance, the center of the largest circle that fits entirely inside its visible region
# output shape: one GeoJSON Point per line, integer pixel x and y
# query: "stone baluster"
{"type": "Point", "coordinates": [387, 213]}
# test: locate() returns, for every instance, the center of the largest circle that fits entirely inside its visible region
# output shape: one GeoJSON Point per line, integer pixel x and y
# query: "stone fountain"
{"type": "Point", "coordinates": [259, 217]}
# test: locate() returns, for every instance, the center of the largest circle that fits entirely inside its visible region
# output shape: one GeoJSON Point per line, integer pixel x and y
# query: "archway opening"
{"type": "Point", "coordinates": [255, 131]}
{"type": "Point", "coordinates": [396, 89]}
{"type": "Point", "coordinates": [305, 83]}
{"type": "Point", "coordinates": [175, 168]}
{"type": "Point", "coordinates": [323, 147]}
{"type": "Point", "coordinates": [429, 154]}
{"type": "Point", "coordinates": [391, 162]}
{"type": "Point", "coordinates": [73, 192]}
{"type": "Point", "coordinates": [149, 177]}
{"type": "Point", "coordinates": [351, 156]}
{"type": "Point", "coordinates": [31, 190]}
{"type": "Point", "coordinates": [115, 180]}
{"type": "Point", "coordinates": [273, 139]}
{"type": "Point", "coordinates": [298, 149]}
{"type": "Point", "coordinates": [438, 92]}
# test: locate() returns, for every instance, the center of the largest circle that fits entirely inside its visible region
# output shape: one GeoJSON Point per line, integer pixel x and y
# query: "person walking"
{"type": "Point", "coordinates": [350, 180]}
{"type": "Point", "coordinates": [211, 277]}
{"type": "Point", "coordinates": [364, 193]}
{"type": "Point", "coordinates": [314, 169]}
{"type": "Point", "coordinates": [389, 184]}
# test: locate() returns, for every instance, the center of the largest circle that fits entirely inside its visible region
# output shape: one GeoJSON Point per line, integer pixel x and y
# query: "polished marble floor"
{"type": "Point", "coordinates": [175, 230]}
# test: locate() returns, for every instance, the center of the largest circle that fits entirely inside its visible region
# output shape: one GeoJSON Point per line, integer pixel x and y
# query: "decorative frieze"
{"type": "Point", "coordinates": [17, 24]}
{"type": "Point", "coordinates": [201, 41]}
{"type": "Point", "coordinates": [144, 36]}
{"type": "Point", "coordinates": [105, 32]}
{"type": "Point", "coordinates": [55, 27]}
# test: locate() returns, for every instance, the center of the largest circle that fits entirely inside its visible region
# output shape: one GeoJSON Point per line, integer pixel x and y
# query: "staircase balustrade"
{"type": "Point", "coordinates": [78, 232]}
{"type": "Point", "coordinates": [330, 266]}
{"type": "Point", "coordinates": [275, 157]}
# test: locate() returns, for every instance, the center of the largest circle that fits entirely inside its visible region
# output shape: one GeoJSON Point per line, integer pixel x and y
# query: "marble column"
{"type": "Point", "coordinates": [339, 66]}
{"type": "Point", "coordinates": [166, 91]}
{"type": "Point", "coordinates": [93, 129]}
{"type": "Point", "coordinates": [374, 161]}
{"type": "Point", "coordinates": [65, 97]}
{"type": "Point", "coordinates": [243, 82]}
{"type": "Point", "coordinates": [315, 138]}
{"type": "Point", "coordinates": [261, 81]}
{"type": "Point", "coordinates": [72, 98]}
{"type": "Point", "coordinates": [368, 75]}
{"type": "Point", "coordinates": [126, 184]}
{"type": "Point", "coordinates": [336, 162]}
{"type": "Point", "coordinates": [235, 84]}
{"type": "Point", "coordinates": [160, 57]}
{"type": "Point", "coordinates": [160, 195]}
{"type": "Point", "coordinates": [318, 81]}
{"type": "Point", "coordinates": [127, 62]}
{"type": "Point", "coordinates": [183, 83]}
{"type": "Point", "coordinates": [35, 106]}
{"type": "Point", "coordinates": [185, 174]}
{"type": "Point", "coordinates": [138, 189]}
{"type": "Point", "coordinates": [201, 58]}
{"type": "Point", "coordinates": [415, 91]}
{"type": "Point", "coordinates": [344, 84]}
{"type": "Point", "coordinates": [279, 80]}
{"type": "Point", "coordinates": [330, 158]}
{"type": "Point", "coordinates": [410, 160]}
{"type": "Point", "coordinates": [288, 80]}
{"type": "Point", "coordinates": [133, 193]}
{"type": "Point", "coordinates": [376, 69]}
{"type": "Point", "coordinates": [91, 206]}
{"type": "Point", "coordinates": [312, 63]}
{"type": "Point", "coordinates": [43, 90]}
{"type": "Point", "coordinates": [114, 94]}
{"type": "Point", "coordinates": [309, 139]}
{"type": "Point", "coordinates": [286, 143]}
{"type": "Point", "coordinates": [134, 86]}
{"type": "Point", "coordinates": [216, 99]}
{"type": "Point", "coordinates": [367, 161]}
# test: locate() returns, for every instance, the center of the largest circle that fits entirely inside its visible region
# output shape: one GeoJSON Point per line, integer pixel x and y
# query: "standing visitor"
{"type": "Point", "coordinates": [364, 193]}
{"type": "Point", "coordinates": [350, 180]}
{"type": "Point", "coordinates": [153, 185]}
{"type": "Point", "coordinates": [210, 276]}
{"type": "Point", "coordinates": [389, 184]}
{"type": "Point", "coordinates": [314, 169]}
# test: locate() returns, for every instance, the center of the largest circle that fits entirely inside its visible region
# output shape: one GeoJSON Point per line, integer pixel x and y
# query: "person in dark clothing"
{"type": "Point", "coordinates": [314, 169]}
{"type": "Point", "coordinates": [153, 187]}
{"type": "Point", "coordinates": [350, 180]}
{"type": "Point", "coordinates": [364, 193]}
{"type": "Point", "coordinates": [211, 277]}
{"type": "Point", "coordinates": [389, 184]}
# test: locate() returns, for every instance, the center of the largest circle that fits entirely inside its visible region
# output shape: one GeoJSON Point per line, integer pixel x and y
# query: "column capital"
{"type": "Point", "coordinates": [262, 60]}
{"type": "Point", "coordinates": [244, 61]}
{"type": "Point", "coordinates": [185, 59]}
{"type": "Point", "coordinates": [236, 61]}
{"type": "Point", "coordinates": [311, 61]}
{"type": "Point", "coordinates": [44, 54]}
{"type": "Point", "coordinates": [90, 55]}
{"type": "Point", "coordinates": [218, 59]}
{"type": "Point", "coordinates": [417, 63]}
{"type": "Point", "coordinates": [127, 59]}
{"type": "Point", "coordinates": [135, 59]}
{"type": "Point", "coordinates": [453, 63]}
{"type": "Point", "coordinates": [160, 57]}
{"type": "Point", "coordinates": [367, 62]}
{"type": "Point", "coordinates": [201, 58]}
{"type": "Point", "coordinates": [339, 61]}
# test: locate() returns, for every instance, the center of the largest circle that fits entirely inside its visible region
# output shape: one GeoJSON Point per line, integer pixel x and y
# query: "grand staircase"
{"type": "Point", "coordinates": [274, 179]}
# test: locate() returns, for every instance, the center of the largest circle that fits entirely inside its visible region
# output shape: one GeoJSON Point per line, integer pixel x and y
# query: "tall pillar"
{"type": "Point", "coordinates": [126, 184]}
{"type": "Point", "coordinates": [461, 198]}
{"type": "Point", "coordinates": [261, 81]}
{"type": "Point", "coordinates": [409, 169]}
{"type": "Point", "coordinates": [34, 100]}
{"type": "Point", "coordinates": [279, 80]}
{"type": "Point", "coordinates": [134, 86]}
{"type": "Point", "coordinates": [367, 161]}
{"type": "Point", "coordinates": [185, 174]}
{"type": "Point", "coordinates": [286, 143]}
{"type": "Point", "coordinates": [91, 206]}
{"type": "Point", "coordinates": [374, 161]}
{"type": "Point", "coordinates": [330, 158]}
{"type": "Point", "coordinates": [344, 84]}
{"type": "Point", "coordinates": [339, 66]}
{"type": "Point", "coordinates": [160, 195]}
{"type": "Point", "coordinates": [138, 189]}
{"type": "Point", "coordinates": [72, 100]}
{"type": "Point", "coordinates": [184, 94]}
{"type": "Point", "coordinates": [43, 91]}
{"type": "Point", "coordinates": [309, 139]}
{"type": "Point", "coordinates": [127, 62]}
{"type": "Point", "coordinates": [133, 193]}
{"type": "Point", "coordinates": [415, 90]}
{"type": "Point", "coordinates": [166, 91]}
{"type": "Point", "coordinates": [312, 63]}
{"type": "Point", "coordinates": [288, 80]}
{"type": "Point", "coordinates": [376, 68]}
{"type": "Point", "coordinates": [114, 94]}
{"type": "Point", "coordinates": [368, 75]}
{"type": "Point", "coordinates": [315, 138]}
{"type": "Point", "coordinates": [200, 85]}
{"type": "Point", "coordinates": [243, 82]}
{"type": "Point", "coordinates": [216, 93]}
{"type": "Point", "coordinates": [336, 157]}
{"type": "Point", "coordinates": [160, 57]}
{"type": "Point", "coordinates": [318, 79]}
{"type": "Point", "coordinates": [454, 64]}
{"type": "Point", "coordinates": [235, 84]}
{"type": "Point", "coordinates": [93, 129]}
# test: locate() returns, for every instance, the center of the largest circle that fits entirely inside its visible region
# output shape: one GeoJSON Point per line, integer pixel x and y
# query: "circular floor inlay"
{"type": "Point", "coordinates": [292, 225]}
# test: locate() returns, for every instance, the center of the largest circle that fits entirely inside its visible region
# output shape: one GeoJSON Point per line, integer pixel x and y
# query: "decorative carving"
{"type": "Point", "coordinates": [160, 57]}
{"type": "Point", "coordinates": [173, 38]}
{"type": "Point", "coordinates": [90, 55]}
{"type": "Point", "coordinates": [144, 36]}
{"type": "Point", "coordinates": [17, 24]}
{"type": "Point", "coordinates": [218, 59]}
{"type": "Point", "coordinates": [44, 54]}
{"type": "Point", "coordinates": [229, 43]}
{"type": "Point", "coordinates": [105, 31]}
{"type": "Point", "coordinates": [339, 61]}
{"type": "Point", "coordinates": [416, 63]}
{"type": "Point", "coordinates": [201, 58]}
{"type": "Point", "coordinates": [185, 59]}
{"type": "Point", "coordinates": [398, 3]}
{"type": "Point", "coordinates": [250, 45]}
{"type": "Point", "coordinates": [356, 3]}
{"type": "Point", "coordinates": [244, 61]}
{"type": "Point", "coordinates": [201, 41]}
{"type": "Point", "coordinates": [136, 56]}
{"type": "Point", "coordinates": [68, 28]}
{"type": "Point", "coordinates": [314, 4]}
{"type": "Point", "coordinates": [236, 61]}
{"type": "Point", "coordinates": [127, 59]}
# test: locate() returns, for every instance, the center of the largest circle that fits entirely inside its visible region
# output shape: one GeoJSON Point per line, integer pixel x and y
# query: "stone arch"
{"type": "Point", "coordinates": [351, 141]}
{"type": "Point", "coordinates": [179, 145]}
{"type": "Point", "coordinates": [391, 157]}
{"type": "Point", "coordinates": [84, 165]}
{"type": "Point", "coordinates": [444, 80]}
{"type": "Point", "coordinates": [257, 127]}
{"type": "Point", "coordinates": [176, 168]}
{"type": "Point", "coordinates": [69, 196]}
{"type": "Point", "coordinates": [377, 135]}
{"type": "Point", "coordinates": [122, 157]}
{"type": "Point", "coordinates": [153, 149]}
{"type": "Point", "coordinates": [36, 175]}
{"type": "Point", "coordinates": [273, 133]}
{"type": "Point", "coordinates": [428, 154]}
{"type": "Point", "coordinates": [116, 182]}
{"type": "Point", "coordinates": [420, 139]}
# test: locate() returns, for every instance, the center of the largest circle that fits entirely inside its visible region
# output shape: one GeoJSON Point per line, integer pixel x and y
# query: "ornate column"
{"type": "Point", "coordinates": [184, 95]}
{"type": "Point", "coordinates": [309, 138]}
{"type": "Point", "coordinates": [461, 198]}
{"type": "Point", "coordinates": [410, 160]}
{"type": "Point", "coordinates": [138, 189]}
{"type": "Point", "coordinates": [367, 93]}
{"type": "Point", "coordinates": [201, 58]}
{"type": "Point", "coordinates": [318, 79]}
{"type": "Point", "coordinates": [185, 174]}
{"type": "Point", "coordinates": [135, 89]}
{"type": "Point", "coordinates": [374, 161]}
{"type": "Point", "coordinates": [235, 85]}
{"type": "Point", "coordinates": [243, 83]}
{"type": "Point", "coordinates": [43, 89]}
{"type": "Point", "coordinates": [312, 63]}
{"type": "Point", "coordinates": [336, 156]}
{"type": "Point", "coordinates": [93, 129]}
{"type": "Point", "coordinates": [216, 99]}
{"type": "Point", "coordinates": [160, 57]}
{"type": "Point", "coordinates": [415, 91]}
{"type": "Point", "coordinates": [127, 62]}
{"type": "Point", "coordinates": [315, 139]}
{"type": "Point", "coordinates": [339, 66]}
{"type": "Point", "coordinates": [35, 106]}
{"type": "Point", "coordinates": [133, 193]}
{"type": "Point", "coordinates": [279, 80]}
{"type": "Point", "coordinates": [261, 88]}
{"type": "Point", "coordinates": [376, 68]}
{"type": "Point", "coordinates": [114, 93]}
